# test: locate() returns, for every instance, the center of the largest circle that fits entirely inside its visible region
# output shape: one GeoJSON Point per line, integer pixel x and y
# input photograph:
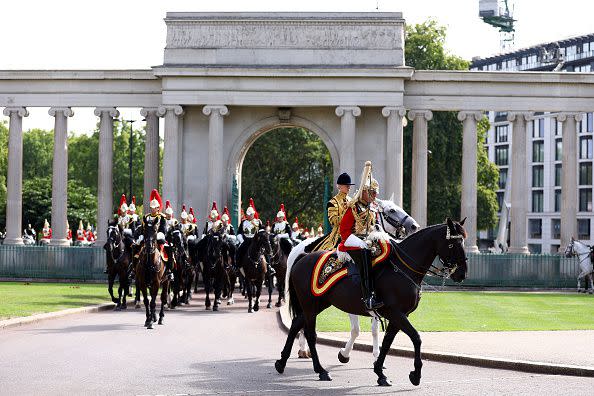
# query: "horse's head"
{"type": "Point", "coordinates": [451, 251]}
{"type": "Point", "coordinates": [395, 220]}
{"type": "Point", "coordinates": [570, 249]}
{"type": "Point", "coordinates": [214, 247]}
{"type": "Point", "coordinates": [262, 241]}
{"type": "Point", "coordinates": [114, 236]}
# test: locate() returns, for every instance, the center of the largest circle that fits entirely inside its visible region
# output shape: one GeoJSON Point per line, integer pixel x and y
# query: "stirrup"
{"type": "Point", "coordinates": [371, 304]}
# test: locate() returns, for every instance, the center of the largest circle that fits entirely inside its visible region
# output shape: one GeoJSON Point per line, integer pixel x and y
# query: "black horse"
{"type": "Point", "coordinates": [181, 265]}
{"type": "Point", "coordinates": [150, 274]}
{"type": "Point", "coordinates": [119, 256]}
{"type": "Point", "coordinates": [230, 274]}
{"type": "Point", "coordinates": [397, 281]}
{"type": "Point", "coordinates": [253, 265]}
{"type": "Point", "coordinates": [213, 272]}
{"type": "Point", "coordinates": [281, 248]}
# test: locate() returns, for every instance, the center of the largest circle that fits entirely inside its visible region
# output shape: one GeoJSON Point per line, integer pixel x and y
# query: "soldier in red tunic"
{"type": "Point", "coordinates": [356, 224]}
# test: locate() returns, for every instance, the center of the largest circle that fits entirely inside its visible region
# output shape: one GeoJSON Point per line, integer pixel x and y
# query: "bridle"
{"type": "Point", "coordinates": [399, 226]}
{"type": "Point", "coordinates": [116, 245]}
{"type": "Point", "coordinates": [572, 252]}
{"type": "Point", "coordinates": [258, 236]}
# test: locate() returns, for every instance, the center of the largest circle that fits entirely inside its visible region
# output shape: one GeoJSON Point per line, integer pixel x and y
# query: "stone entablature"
{"type": "Point", "coordinates": [285, 39]}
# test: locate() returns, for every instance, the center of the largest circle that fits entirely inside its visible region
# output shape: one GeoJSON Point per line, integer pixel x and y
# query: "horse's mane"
{"type": "Point", "coordinates": [459, 230]}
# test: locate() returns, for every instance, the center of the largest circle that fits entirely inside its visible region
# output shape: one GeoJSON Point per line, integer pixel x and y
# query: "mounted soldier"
{"type": "Point", "coordinates": [134, 221]}
{"type": "Point", "coordinates": [68, 233]}
{"type": "Point", "coordinates": [81, 236]}
{"type": "Point", "coordinates": [247, 229]}
{"type": "Point", "coordinates": [336, 208]}
{"type": "Point", "coordinates": [281, 228]}
{"type": "Point", "coordinates": [356, 225]}
{"type": "Point", "coordinates": [46, 233]}
{"type": "Point", "coordinates": [170, 220]}
{"type": "Point", "coordinates": [90, 235]}
{"type": "Point", "coordinates": [226, 220]}
{"type": "Point", "coordinates": [155, 217]}
{"type": "Point", "coordinates": [29, 237]}
{"type": "Point", "coordinates": [213, 221]}
{"type": "Point", "coordinates": [295, 233]}
{"type": "Point", "coordinates": [191, 232]}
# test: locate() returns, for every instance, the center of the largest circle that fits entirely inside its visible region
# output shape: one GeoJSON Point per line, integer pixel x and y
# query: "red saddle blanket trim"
{"type": "Point", "coordinates": [318, 289]}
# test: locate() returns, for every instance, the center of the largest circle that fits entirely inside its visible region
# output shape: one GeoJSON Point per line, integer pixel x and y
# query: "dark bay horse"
{"type": "Point", "coordinates": [213, 272]}
{"type": "Point", "coordinates": [281, 248]}
{"type": "Point", "coordinates": [253, 266]}
{"type": "Point", "coordinates": [150, 274]}
{"type": "Point", "coordinates": [182, 269]}
{"type": "Point", "coordinates": [397, 281]}
{"type": "Point", "coordinates": [119, 257]}
{"type": "Point", "coordinates": [230, 275]}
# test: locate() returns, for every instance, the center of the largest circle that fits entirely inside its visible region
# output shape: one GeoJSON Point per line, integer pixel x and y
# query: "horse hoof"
{"type": "Point", "coordinates": [124, 306]}
{"type": "Point", "coordinates": [117, 308]}
{"type": "Point", "coordinates": [256, 308]}
{"type": "Point", "coordinates": [383, 381]}
{"type": "Point", "coordinates": [279, 365]}
{"type": "Point", "coordinates": [278, 304]}
{"type": "Point", "coordinates": [150, 327]}
{"type": "Point", "coordinates": [302, 355]}
{"type": "Point", "coordinates": [343, 359]}
{"type": "Point", "coordinates": [308, 354]}
{"type": "Point", "coordinates": [208, 307]}
{"type": "Point", "coordinates": [414, 378]}
{"type": "Point", "coordinates": [137, 306]}
{"type": "Point", "coordinates": [215, 308]}
{"type": "Point", "coordinates": [269, 305]}
{"type": "Point", "coordinates": [160, 321]}
{"type": "Point", "coordinates": [325, 376]}
{"type": "Point", "coordinates": [250, 310]}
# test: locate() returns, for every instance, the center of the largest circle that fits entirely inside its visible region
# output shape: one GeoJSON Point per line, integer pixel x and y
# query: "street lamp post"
{"type": "Point", "coordinates": [130, 159]}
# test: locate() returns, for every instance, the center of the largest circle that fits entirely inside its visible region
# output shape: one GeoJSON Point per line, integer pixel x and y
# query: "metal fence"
{"type": "Point", "coordinates": [484, 270]}
{"type": "Point", "coordinates": [511, 270]}
{"type": "Point", "coordinates": [52, 262]}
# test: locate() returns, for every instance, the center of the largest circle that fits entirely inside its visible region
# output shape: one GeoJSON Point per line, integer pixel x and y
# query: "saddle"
{"type": "Point", "coordinates": [328, 269]}
{"type": "Point", "coordinates": [163, 253]}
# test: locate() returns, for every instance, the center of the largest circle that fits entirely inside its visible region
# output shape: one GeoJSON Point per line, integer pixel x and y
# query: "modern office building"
{"type": "Point", "coordinates": [544, 148]}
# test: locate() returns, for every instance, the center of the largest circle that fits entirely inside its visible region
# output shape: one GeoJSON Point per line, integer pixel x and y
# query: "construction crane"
{"type": "Point", "coordinates": [497, 14]}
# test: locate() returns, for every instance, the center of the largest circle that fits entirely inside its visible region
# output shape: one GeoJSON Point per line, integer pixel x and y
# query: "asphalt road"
{"type": "Point", "coordinates": [228, 352]}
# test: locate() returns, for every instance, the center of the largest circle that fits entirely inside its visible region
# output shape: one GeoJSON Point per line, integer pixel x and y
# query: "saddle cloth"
{"type": "Point", "coordinates": [328, 270]}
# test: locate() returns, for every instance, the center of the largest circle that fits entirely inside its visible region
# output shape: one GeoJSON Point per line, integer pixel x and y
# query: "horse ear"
{"type": "Point", "coordinates": [450, 223]}
{"type": "Point", "coordinates": [462, 222]}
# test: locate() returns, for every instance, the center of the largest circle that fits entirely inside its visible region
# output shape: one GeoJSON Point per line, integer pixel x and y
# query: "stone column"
{"type": "Point", "coordinates": [419, 165]}
{"type": "Point", "coordinates": [569, 186]}
{"type": "Point", "coordinates": [14, 180]}
{"type": "Point", "coordinates": [394, 147]}
{"type": "Point", "coordinates": [105, 174]}
{"type": "Point", "coordinates": [469, 176]}
{"type": "Point", "coordinates": [520, 190]}
{"type": "Point", "coordinates": [171, 171]}
{"type": "Point", "coordinates": [60, 175]}
{"type": "Point", "coordinates": [216, 164]}
{"type": "Point", "coordinates": [347, 116]}
{"type": "Point", "coordinates": [151, 153]}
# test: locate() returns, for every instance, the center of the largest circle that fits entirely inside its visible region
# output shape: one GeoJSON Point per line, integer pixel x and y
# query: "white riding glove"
{"type": "Point", "coordinates": [160, 237]}
{"type": "Point", "coordinates": [240, 238]}
{"type": "Point", "coordinates": [356, 242]}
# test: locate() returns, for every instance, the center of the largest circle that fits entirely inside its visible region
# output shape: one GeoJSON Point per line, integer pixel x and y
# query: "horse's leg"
{"type": "Point", "coordinates": [402, 322]}
{"type": "Point", "coordinates": [590, 276]}
{"type": "Point", "coordinates": [164, 293]}
{"type": "Point", "coordinates": [207, 284]}
{"type": "Point", "coordinates": [258, 285]}
{"type": "Point", "coordinates": [310, 335]}
{"type": "Point", "coordinates": [343, 354]}
{"type": "Point", "coordinates": [217, 292]}
{"type": "Point", "coordinates": [146, 306]}
{"type": "Point", "coordinates": [391, 331]}
{"type": "Point", "coordinates": [375, 336]}
{"type": "Point", "coordinates": [232, 279]}
{"type": "Point", "coordinates": [125, 290]}
{"type": "Point", "coordinates": [248, 288]}
{"type": "Point", "coordinates": [153, 313]}
{"type": "Point", "coordinates": [110, 280]}
{"type": "Point", "coordinates": [270, 287]}
{"type": "Point", "coordinates": [137, 298]}
{"type": "Point", "coordinates": [579, 283]}
{"type": "Point", "coordinates": [296, 326]}
{"type": "Point", "coordinates": [303, 352]}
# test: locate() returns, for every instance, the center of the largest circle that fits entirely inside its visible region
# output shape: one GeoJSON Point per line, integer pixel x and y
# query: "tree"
{"type": "Point", "coordinates": [425, 50]}
{"type": "Point", "coordinates": [38, 153]}
{"type": "Point", "coordinates": [488, 177]}
{"type": "Point", "coordinates": [287, 165]}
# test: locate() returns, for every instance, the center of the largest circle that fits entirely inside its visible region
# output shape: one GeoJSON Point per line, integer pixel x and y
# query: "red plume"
{"type": "Point", "coordinates": [167, 204]}
{"type": "Point", "coordinates": [122, 200]}
{"type": "Point", "coordinates": [134, 200]}
{"type": "Point", "coordinates": [214, 206]}
{"type": "Point", "coordinates": [155, 195]}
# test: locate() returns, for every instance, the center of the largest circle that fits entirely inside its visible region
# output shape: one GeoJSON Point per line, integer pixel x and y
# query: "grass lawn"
{"type": "Point", "coordinates": [24, 299]}
{"type": "Point", "coordinates": [487, 311]}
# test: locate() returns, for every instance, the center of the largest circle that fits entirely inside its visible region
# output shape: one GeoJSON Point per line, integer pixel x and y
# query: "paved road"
{"type": "Point", "coordinates": [229, 352]}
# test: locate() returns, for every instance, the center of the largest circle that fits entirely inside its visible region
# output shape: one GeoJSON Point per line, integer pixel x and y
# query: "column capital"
{"type": "Point", "coordinates": [342, 110]}
{"type": "Point", "coordinates": [563, 116]}
{"type": "Point", "coordinates": [427, 114]}
{"type": "Point", "coordinates": [21, 111]}
{"type": "Point", "coordinates": [176, 109]}
{"type": "Point", "coordinates": [464, 114]}
{"type": "Point", "coordinates": [66, 110]}
{"type": "Point", "coordinates": [212, 109]}
{"type": "Point", "coordinates": [526, 115]}
{"type": "Point", "coordinates": [148, 111]}
{"type": "Point", "coordinates": [112, 111]}
{"type": "Point", "coordinates": [396, 110]}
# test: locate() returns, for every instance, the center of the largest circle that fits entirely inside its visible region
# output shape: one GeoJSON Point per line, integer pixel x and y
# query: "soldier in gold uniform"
{"type": "Point", "coordinates": [336, 208]}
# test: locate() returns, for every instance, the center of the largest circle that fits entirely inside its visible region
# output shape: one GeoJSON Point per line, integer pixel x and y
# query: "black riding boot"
{"type": "Point", "coordinates": [362, 259]}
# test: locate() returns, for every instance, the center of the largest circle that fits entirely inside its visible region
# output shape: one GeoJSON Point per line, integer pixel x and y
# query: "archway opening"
{"type": "Point", "coordinates": [289, 165]}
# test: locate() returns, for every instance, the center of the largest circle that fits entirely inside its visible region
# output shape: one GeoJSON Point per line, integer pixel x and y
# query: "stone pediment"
{"type": "Point", "coordinates": [284, 39]}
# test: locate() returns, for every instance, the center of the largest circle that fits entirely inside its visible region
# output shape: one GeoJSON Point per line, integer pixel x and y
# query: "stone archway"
{"type": "Point", "coordinates": [250, 134]}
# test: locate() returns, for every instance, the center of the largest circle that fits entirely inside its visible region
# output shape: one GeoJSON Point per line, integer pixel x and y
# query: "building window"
{"type": "Point", "coordinates": [557, 200]}
{"type": "Point", "coordinates": [589, 121]}
{"type": "Point", "coordinates": [555, 228]}
{"type": "Point", "coordinates": [501, 133]}
{"type": "Point", "coordinates": [502, 178]}
{"type": "Point", "coordinates": [535, 228]}
{"type": "Point", "coordinates": [585, 199]}
{"type": "Point", "coordinates": [500, 200]}
{"type": "Point", "coordinates": [538, 151]}
{"type": "Point", "coordinates": [537, 201]}
{"type": "Point", "coordinates": [554, 249]}
{"type": "Point", "coordinates": [586, 148]}
{"type": "Point", "coordinates": [585, 173]}
{"type": "Point", "coordinates": [501, 155]}
{"type": "Point", "coordinates": [535, 248]}
{"type": "Point", "coordinates": [500, 116]}
{"type": "Point", "coordinates": [537, 176]}
{"type": "Point", "coordinates": [538, 128]}
{"type": "Point", "coordinates": [558, 149]}
{"type": "Point", "coordinates": [583, 228]}
{"type": "Point", "coordinates": [558, 128]}
{"type": "Point", "coordinates": [558, 175]}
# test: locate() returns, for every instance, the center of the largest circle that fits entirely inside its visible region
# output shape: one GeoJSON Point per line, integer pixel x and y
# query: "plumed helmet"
{"type": "Point", "coordinates": [281, 213]}
{"type": "Point", "coordinates": [132, 206]}
{"type": "Point", "coordinates": [155, 200]}
{"type": "Point", "coordinates": [225, 217]}
{"type": "Point", "coordinates": [168, 208]}
{"type": "Point", "coordinates": [123, 205]}
{"type": "Point", "coordinates": [214, 212]}
{"type": "Point", "coordinates": [320, 228]}
{"type": "Point", "coordinates": [372, 185]}
{"type": "Point", "coordinates": [252, 211]}
{"type": "Point", "coordinates": [191, 215]}
{"type": "Point", "coordinates": [295, 224]}
{"type": "Point", "coordinates": [89, 228]}
{"type": "Point", "coordinates": [45, 223]}
{"type": "Point", "coordinates": [80, 225]}
{"type": "Point", "coordinates": [306, 233]}
{"type": "Point", "coordinates": [184, 214]}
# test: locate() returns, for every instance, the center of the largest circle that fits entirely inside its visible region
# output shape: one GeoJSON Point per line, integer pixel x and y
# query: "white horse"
{"type": "Point", "coordinates": [582, 251]}
{"type": "Point", "coordinates": [398, 224]}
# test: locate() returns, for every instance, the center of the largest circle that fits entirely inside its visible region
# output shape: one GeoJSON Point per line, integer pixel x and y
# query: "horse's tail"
{"type": "Point", "coordinates": [293, 302]}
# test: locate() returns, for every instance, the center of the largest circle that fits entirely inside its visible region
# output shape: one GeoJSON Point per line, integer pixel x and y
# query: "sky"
{"type": "Point", "coordinates": [130, 34]}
